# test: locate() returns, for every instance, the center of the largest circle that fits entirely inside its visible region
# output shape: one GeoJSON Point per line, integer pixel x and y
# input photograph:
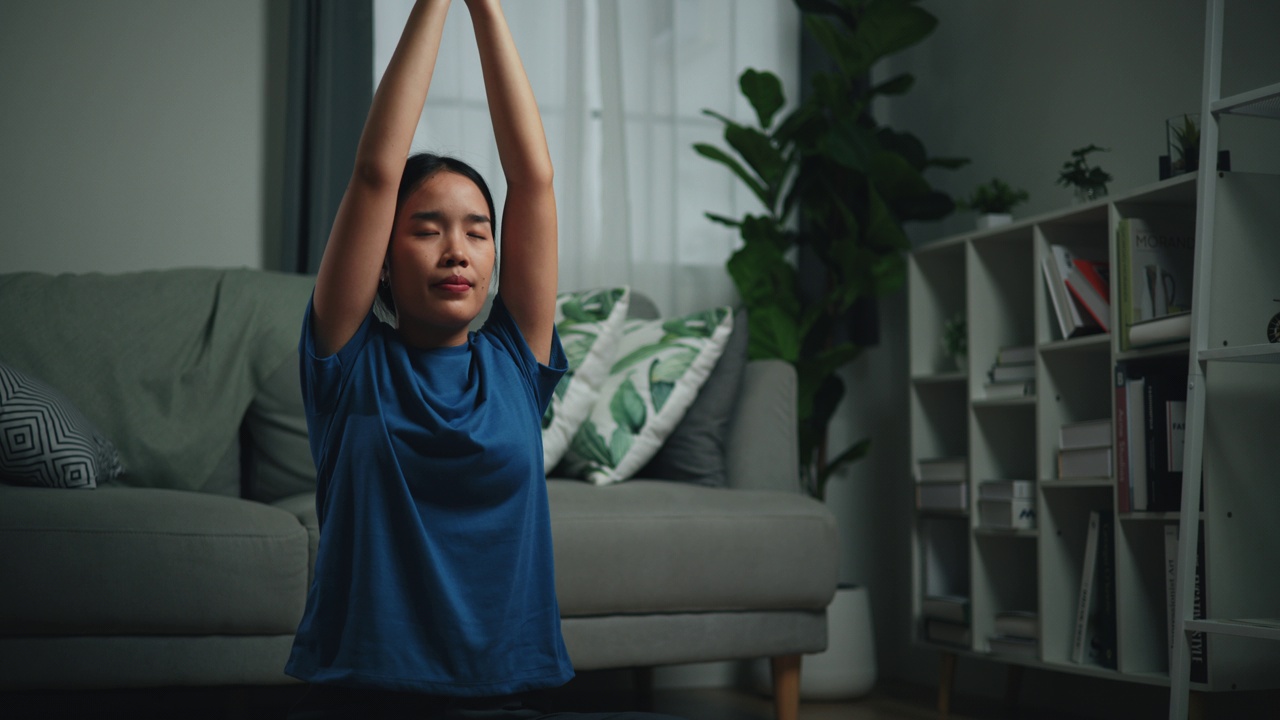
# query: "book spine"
{"type": "Point", "coordinates": [1084, 605]}
{"type": "Point", "coordinates": [1123, 492]}
{"type": "Point", "coordinates": [1198, 643]}
{"type": "Point", "coordinates": [1170, 584]}
{"type": "Point", "coordinates": [1104, 642]}
{"type": "Point", "coordinates": [1054, 289]}
{"type": "Point", "coordinates": [1164, 482]}
{"type": "Point", "coordinates": [1136, 394]}
{"type": "Point", "coordinates": [1092, 305]}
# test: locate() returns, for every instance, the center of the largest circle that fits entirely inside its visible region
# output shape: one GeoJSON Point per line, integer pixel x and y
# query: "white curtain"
{"type": "Point", "coordinates": [621, 87]}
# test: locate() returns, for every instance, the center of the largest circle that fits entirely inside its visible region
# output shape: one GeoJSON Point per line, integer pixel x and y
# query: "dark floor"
{"type": "Point", "coordinates": [895, 702]}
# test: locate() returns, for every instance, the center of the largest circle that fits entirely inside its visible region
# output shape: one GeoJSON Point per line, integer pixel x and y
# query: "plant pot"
{"type": "Point", "coordinates": [847, 669]}
{"type": "Point", "coordinates": [990, 220]}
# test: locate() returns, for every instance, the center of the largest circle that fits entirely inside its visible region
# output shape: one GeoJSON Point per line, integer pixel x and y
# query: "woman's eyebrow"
{"type": "Point", "coordinates": [437, 216]}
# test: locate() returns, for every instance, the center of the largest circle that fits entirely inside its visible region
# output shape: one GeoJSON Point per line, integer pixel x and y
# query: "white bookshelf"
{"type": "Point", "coordinates": [994, 278]}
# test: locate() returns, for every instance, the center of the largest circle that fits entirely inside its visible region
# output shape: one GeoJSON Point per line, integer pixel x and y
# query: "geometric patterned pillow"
{"type": "Point", "coordinates": [45, 441]}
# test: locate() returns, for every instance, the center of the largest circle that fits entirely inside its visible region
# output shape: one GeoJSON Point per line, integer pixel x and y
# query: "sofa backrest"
{"type": "Point", "coordinates": [166, 363]}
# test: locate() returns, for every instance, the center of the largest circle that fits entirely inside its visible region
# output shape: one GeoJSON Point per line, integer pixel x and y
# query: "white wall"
{"type": "Point", "coordinates": [1015, 86]}
{"type": "Point", "coordinates": [140, 134]}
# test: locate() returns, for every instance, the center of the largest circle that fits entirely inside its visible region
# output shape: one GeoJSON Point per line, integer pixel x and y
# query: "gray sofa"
{"type": "Point", "coordinates": [192, 569]}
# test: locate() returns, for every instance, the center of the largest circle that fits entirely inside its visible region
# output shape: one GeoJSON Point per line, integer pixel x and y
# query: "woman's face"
{"type": "Point", "coordinates": [441, 260]}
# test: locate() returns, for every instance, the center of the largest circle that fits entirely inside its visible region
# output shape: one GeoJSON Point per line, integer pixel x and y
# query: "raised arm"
{"type": "Point", "coordinates": [352, 261]}
{"type": "Point", "coordinates": [528, 268]}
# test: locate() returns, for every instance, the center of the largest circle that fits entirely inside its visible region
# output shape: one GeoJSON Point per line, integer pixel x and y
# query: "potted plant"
{"type": "Point", "coordinates": [838, 186]}
{"type": "Point", "coordinates": [1184, 142]}
{"type": "Point", "coordinates": [955, 342]}
{"type": "Point", "coordinates": [994, 202]}
{"type": "Point", "coordinates": [1088, 182]}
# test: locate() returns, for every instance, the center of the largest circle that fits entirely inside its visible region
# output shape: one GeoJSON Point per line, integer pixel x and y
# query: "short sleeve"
{"type": "Point", "coordinates": [323, 377]}
{"type": "Point", "coordinates": [501, 327]}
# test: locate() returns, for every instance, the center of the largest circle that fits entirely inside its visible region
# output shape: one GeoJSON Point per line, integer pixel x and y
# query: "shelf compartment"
{"type": "Point", "coordinates": [1260, 102]}
{"type": "Point", "coordinates": [939, 419]}
{"type": "Point", "coordinates": [1142, 597]}
{"type": "Point", "coordinates": [1064, 526]}
{"type": "Point", "coordinates": [1244, 284]}
{"type": "Point", "coordinates": [936, 294]}
{"type": "Point", "coordinates": [1263, 353]}
{"type": "Point", "coordinates": [1004, 578]}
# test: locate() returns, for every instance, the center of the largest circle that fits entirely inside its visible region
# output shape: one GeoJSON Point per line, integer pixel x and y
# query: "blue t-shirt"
{"type": "Point", "coordinates": [434, 571]}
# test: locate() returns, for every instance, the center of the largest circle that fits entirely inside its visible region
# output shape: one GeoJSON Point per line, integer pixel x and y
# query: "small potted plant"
{"type": "Point", "coordinates": [955, 341]}
{"type": "Point", "coordinates": [1184, 143]}
{"type": "Point", "coordinates": [994, 202]}
{"type": "Point", "coordinates": [1088, 182]}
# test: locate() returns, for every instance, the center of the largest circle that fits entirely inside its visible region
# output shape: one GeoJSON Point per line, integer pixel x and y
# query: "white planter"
{"type": "Point", "coordinates": [847, 669]}
{"type": "Point", "coordinates": [990, 220]}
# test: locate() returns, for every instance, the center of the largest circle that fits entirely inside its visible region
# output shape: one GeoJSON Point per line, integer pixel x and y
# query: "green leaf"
{"type": "Point", "coordinates": [714, 153]}
{"type": "Point", "coordinates": [697, 325]}
{"type": "Point", "coordinates": [895, 177]}
{"type": "Point", "coordinates": [854, 452]}
{"type": "Point", "coordinates": [758, 151]}
{"type": "Point", "coordinates": [671, 368]}
{"type": "Point", "coordinates": [773, 334]}
{"type": "Point", "coordinates": [619, 445]}
{"type": "Point", "coordinates": [588, 445]}
{"type": "Point", "coordinates": [577, 346]}
{"type": "Point", "coordinates": [897, 85]}
{"type": "Point", "coordinates": [885, 27]}
{"type": "Point", "coordinates": [644, 352]}
{"type": "Point", "coordinates": [763, 276]}
{"type": "Point", "coordinates": [660, 392]}
{"type": "Point", "coordinates": [573, 312]}
{"type": "Point", "coordinates": [627, 407]}
{"type": "Point", "coordinates": [723, 220]}
{"type": "Point", "coordinates": [764, 90]}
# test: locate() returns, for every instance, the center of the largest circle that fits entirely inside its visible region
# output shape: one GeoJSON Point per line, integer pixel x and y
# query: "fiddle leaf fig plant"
{"type": "Point", "coordinates": [834, 183]}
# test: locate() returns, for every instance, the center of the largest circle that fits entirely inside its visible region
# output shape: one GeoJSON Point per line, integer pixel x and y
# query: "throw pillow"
{"type": "Point", "coordinates": [46, 441]}
{"type": "Point", "coordinates": [661, 366]}
{"type": "Point", "coordinates": [695, 451]}
{"type": "Point", "coordinates": [590, 324]}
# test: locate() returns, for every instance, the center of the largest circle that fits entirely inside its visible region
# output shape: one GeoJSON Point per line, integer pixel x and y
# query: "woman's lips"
{"type": "Point", "coordinates": [454, 285]}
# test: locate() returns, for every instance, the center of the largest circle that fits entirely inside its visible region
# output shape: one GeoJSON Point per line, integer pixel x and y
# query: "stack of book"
{"type": "Point", "coordinates": [1095, 634]}
{"type": "Point", "coordinates": [1016, 632]}
{"type": "Point", "coordinates": [1151, 408]}
{"type": "Point", "coordinates": [1079, 291]}
{"type": "Point", "coordinates": [1084, 449]}
{"type": "Point", "coordinates": [1154, 261]}
{"type": "Point", "coordinates": [1013, 374]}
{"type": "Point", "coordinates": [946, 619]}
{"type": "Point", "coordinates": [942, 484]}
{"type": "Point", "coordinates": [1007, 504]}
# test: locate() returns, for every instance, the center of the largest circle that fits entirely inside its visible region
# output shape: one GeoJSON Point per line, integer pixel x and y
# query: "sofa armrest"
{"type": "Point", "coordinates": [763, 451]}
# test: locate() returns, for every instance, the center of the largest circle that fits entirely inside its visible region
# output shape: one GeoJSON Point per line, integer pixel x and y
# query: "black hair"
{"type": "Point", "coordinates": [417, 169]}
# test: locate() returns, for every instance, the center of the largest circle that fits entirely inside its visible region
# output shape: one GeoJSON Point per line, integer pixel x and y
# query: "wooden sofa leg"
{"type": "Point", "coordinates": [946, 680]}
{"type": "Point", "coordinates": [786, 687]}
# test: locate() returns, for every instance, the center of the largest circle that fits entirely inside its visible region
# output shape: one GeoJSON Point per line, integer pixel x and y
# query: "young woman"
{"type": "Point", "coordinates": [434, 592]}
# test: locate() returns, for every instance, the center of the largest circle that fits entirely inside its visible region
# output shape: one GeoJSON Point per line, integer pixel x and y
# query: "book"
{"type": "Point", "coordinates": [1137, 423]}
{"type": "Point", "coordinates": [942, 468]}
{"type": "Point", "coordinates": [1016, 355]}
{"type": "Point", "coordinates": [1017, 623]}
{"type": "Point", "coordinates": [1124, 491]}
{"type": "Point", "coordinates": [1092, 462]}
{"type": "Point", "coordinates": [942, 495]}
{"type": "Point", "coordinates": [1016, 646]}
{"type": "Point", "coordinates": [1199, 671]}
{"type": "Point", "coordinates": [1085, 434]}
{"type": "Point", "coordinates": [949, 633]}
{"type": "Point", "coordinates": [1102, 642]}
{"type": "Point", "coordinates": [1005, 390]}
{"type": "Point", "coordinates": [1011, 373]}
{"type": "Point", "coordinates": [1174, 327]}
{"type": "Point", "coordinates": [1072, 320]}
{"type": "Point", "coordinates": [1085, 602]}
{"type": "Point", "coordinates": [1010, 514]}
{"type": "Point", "coordinates": [1088, 284]}
{"type": "Point", "coordinates": [954, 608]}
{"type": "Point", "coordinates": [1166, 395]}
{"type": "Point", "coordinates": [1155, 257]}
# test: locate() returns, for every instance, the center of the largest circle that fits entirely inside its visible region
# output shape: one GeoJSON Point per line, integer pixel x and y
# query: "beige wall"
{"type": "Point", "coordinates": [140, 134]}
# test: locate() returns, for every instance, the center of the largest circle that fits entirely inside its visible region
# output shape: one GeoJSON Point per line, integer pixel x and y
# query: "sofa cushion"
{"type": "Point", "coordinates": [695, 450]}
{"type": "Point", "coordinates": [661, 366]}
{"type": "Point", "coordinates": [589, 323]}
{"type": "Point", "coordinates": [46, 441]}
{"type": "Point", "coordinates": [141, 561]}
{"type": "Point", "coordinates": [278, 464]}
{"type": "Point", "coordinates": [647, 546]}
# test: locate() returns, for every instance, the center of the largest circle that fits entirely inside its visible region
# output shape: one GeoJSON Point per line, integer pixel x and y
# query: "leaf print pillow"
{"type": "Point", "coordinates": [589, 323]}
{"type": "Point", "coordinates": [660, 366]}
